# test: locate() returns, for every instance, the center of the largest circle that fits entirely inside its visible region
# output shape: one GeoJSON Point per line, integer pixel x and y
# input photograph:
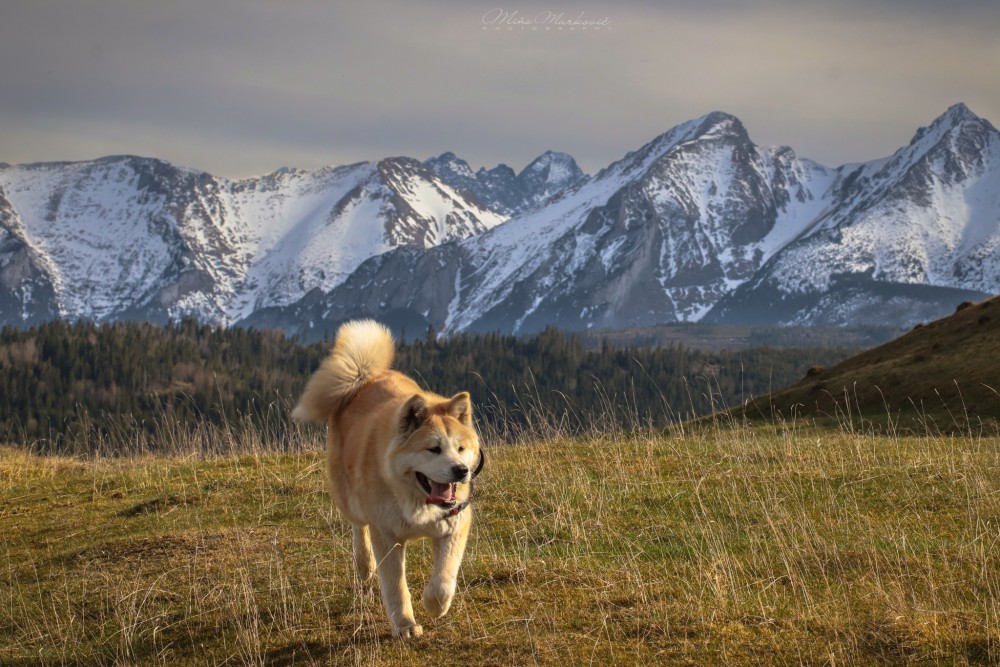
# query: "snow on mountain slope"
{"type": "Point", "coordinates": [335, 219]}
{"type": "Point", "coordinates": [699, 224]}
{"type": "Point", "coordinates": [802, 191]}
{"type": "Point", "coordinates": [500, 189]}
{"type": "Point", "coordinates": [139, 238]}
{"type": "Point", "coordinates": [26, 278]}
{"type": "Point", "coordinates": [929, 215]}
{"type": "Point", "coordinates": [106, 231]}
{"type": "Point", "coordinates": [658, 236]}
{"type": "Point", "coordinates": [702, 224]}
{"type": "Point", "coordinates": [916, 218]}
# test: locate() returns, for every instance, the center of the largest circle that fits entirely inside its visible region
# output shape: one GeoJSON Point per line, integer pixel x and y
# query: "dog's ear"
{"type": "Point", "coordinates": [460, 407]}
{"type": "Point", "coordinates": [413, 414]}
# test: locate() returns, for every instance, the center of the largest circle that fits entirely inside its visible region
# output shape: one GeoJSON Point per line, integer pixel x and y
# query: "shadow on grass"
{"type": "Point", "coordinates": [315, 652]}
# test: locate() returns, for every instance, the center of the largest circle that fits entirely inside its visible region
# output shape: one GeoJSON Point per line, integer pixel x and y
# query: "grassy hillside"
{"type": "Point", "coordinates": [942, 376]}
{"type": "Point", "coordinates": [731, 546]}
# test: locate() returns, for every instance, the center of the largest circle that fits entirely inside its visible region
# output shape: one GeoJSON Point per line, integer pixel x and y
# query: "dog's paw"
{"type": "Point", "coordinates": [409, 632]}
{"type": "Point", "coordinates": [437, 601]}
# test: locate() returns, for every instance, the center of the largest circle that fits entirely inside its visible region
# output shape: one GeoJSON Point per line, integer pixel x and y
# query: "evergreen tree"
{"type": "Point", "coordinates": [58, 378]}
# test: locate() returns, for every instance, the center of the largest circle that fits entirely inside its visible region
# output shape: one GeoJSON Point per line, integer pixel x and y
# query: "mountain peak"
{"type": "Point", "coordinates": [399, 160]}
{"type": "Point", "coordinates": [713, 124]}
{"type": "Point", "coordinates": [551, 155]}
{"type": "Point", "coordinates": [959, 111]}
{"type": "Point", "coordinates": [720, 123]}
{"type": "Point", "coordinates": [718, 118]}
{"type": "Point", "coordinates": [955, 116]}
{"type": "Point", "coordinates": [501, 169]}
{"type": "Point", "coordinates": [549, 173]}
{"type": "Point", "coordinates": [503, 190]}
{"type": "Point", "coordinates": [958, 116]}
{"type": "Point", "coordinates": [448, 165]}
{"type": "Point", "coordinates": [557, 167]}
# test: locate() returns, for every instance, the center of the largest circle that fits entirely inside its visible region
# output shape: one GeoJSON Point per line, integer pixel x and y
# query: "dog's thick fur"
{"type": "Point", "coordinates": [400, 461]}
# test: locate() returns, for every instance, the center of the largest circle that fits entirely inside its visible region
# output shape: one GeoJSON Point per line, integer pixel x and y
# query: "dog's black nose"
{"type": "Point", "coordinates": [460, 471]}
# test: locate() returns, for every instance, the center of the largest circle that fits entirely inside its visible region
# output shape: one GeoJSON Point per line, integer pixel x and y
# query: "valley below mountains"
{"type": "Point", "coordinates": [698, 225]}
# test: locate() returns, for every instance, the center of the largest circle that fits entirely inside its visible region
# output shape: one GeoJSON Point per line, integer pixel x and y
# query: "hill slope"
{"type": "Point", "coordinates": [943, 375]}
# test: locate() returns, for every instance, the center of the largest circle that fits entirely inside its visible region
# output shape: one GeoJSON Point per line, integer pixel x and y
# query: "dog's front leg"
{"type": "Point", "coordinates": [448, 551]}
{"type": "Point", "coordinates": [391, 564]}
{"type": "Point", "coordinates": [363, 558]}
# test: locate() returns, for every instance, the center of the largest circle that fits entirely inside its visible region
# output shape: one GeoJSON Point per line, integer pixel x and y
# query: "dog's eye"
{"type": "Point", "coordinates": [436, 449]}
{"type": "Point", "coordinates": [461, 449]}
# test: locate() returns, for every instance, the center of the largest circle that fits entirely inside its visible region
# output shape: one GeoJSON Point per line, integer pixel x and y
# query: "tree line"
{"type": "Point", "coordinates": [60, 378]}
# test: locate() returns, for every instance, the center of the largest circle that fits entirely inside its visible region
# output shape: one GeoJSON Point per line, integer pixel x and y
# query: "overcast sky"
{"type": "Point", "coordinates": [242, 87]}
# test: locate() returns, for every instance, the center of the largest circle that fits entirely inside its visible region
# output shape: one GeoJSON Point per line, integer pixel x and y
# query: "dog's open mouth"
{"type": "Point", "coordinates": [437, 493]}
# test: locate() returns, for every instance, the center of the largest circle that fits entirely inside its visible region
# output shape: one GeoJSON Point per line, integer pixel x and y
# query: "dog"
{"type": "Point", "coordinates": [401, 462]}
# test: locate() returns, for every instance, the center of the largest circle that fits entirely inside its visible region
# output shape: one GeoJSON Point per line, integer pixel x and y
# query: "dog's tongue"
{"type": "Point", "coordinates": [441, 493]}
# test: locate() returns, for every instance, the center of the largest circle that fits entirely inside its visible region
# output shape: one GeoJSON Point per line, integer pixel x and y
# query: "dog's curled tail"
{"type": "Point", "coordinates": [362, 351]}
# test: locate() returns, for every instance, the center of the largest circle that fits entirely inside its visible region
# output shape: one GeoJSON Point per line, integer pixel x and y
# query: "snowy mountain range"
{"type": "Point", "coordinates": [501, 190]}
{"type": "Point", "coordinates": [894, 236]}
{"type": "Point", "coordinates": [136, 238]}
{"type": "Point", "coordinates": [699, 224]}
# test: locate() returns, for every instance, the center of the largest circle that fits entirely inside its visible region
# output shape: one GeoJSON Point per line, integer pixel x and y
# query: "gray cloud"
{"type": "Point", "coordinates": [243, 87]}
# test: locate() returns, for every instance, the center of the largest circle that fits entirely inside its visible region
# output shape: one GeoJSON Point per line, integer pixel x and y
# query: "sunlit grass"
{"type": "Point", "coordinates": [721, 545]}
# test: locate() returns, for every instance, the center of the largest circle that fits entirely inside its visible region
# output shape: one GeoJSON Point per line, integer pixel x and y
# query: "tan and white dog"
{"type": "Point", "coordinates": [401, 463]}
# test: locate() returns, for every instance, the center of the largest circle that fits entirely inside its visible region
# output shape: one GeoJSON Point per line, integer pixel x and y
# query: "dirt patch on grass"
{"type": "Point", "coordinates": [147, 549]}
{"type": "Point", "coordinates": [156, 505]}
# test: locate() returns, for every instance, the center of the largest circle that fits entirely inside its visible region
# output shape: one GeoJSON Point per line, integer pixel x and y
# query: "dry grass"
{"type": "Point", "coordinates": [939, 377]}
{"type": "Point", "coordinates": [730, 546]}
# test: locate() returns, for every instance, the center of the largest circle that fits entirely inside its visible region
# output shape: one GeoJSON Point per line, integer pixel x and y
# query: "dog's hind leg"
{"type": "Point", "coordinates": [391, 558]}
{"type": "Point", "coordinates": [448, 551]}
{"type": "Point", "coordinates": [364, 560]}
